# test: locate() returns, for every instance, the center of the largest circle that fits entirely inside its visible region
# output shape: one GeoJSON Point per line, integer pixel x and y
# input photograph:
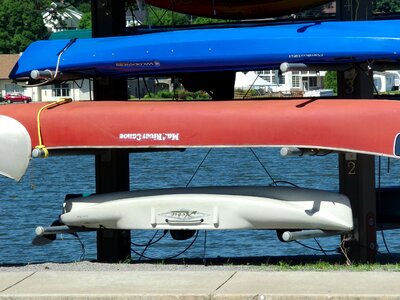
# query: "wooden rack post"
{"type": "Point", "coordinates": [112, 168]}
{"type": "Point", "coordinates": [357, 171]}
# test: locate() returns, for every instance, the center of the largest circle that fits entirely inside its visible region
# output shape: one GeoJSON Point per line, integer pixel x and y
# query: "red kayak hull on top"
{"type": "Point", "coordinates": [237, 9]}
{"type": "Point", "coordinates": [363, 126]}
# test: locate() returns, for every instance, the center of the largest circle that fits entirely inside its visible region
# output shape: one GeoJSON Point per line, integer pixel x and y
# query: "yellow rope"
{"type": "Point", "coordinates": [41, 146]}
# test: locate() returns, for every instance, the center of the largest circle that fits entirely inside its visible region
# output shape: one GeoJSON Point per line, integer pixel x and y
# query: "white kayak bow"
{"type": "Point", "coordinates": [15, 148]}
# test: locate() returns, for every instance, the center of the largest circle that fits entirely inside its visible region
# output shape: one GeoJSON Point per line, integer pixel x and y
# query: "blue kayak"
{"type": "Point", "coordinates": [219, 49]}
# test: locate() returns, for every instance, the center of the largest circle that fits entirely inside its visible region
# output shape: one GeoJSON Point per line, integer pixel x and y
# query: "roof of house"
{"type": "Point", "coordinates": [7, 62]}
{"type": "Point", "coordinates": [61, 16]}
{"type": "Point", "coordinates": [70, 34]}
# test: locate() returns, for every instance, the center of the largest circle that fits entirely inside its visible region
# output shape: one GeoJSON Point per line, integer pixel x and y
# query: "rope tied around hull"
{"type": "Point", "coordinates": [41, 150]}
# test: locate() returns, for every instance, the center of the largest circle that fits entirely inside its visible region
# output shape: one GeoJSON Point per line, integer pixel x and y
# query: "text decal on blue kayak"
{"type": "Point", "coordinates": [149, 136]}
{"type": "Point", "coordinates": [306, 55]}
{"type": "Point", "coordinates": [138, 64]}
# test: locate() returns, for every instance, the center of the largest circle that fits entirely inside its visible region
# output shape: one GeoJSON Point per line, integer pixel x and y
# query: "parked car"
{"type": "Point", "coordinates": [17, 97]}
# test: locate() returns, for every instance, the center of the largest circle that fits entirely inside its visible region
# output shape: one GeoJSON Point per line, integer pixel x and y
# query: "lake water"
{"type": "Point", "coordinates": [37, 200]}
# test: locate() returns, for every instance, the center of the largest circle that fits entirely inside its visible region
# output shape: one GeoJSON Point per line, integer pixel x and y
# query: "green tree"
{"type": "Point", "coordinates": [20, 24]}
{"type": "Point", "coordinates": [201, 20]}
{"type": "Point", "coordinates": [330, 81]}
{"type": "Point", "coordinates": [84, 6]}
{"type": "Point", "coordinates": [386, 6]}
{"type": "Point", "coordinates": [161, 17]}
{"type": "Point", "coordinates": [86, 21]}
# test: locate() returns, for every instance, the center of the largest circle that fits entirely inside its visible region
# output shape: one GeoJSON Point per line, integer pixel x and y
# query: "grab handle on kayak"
{"type": "Point", "coordinates": [294, 151]}
{"type": "Point", "coordinates": [289, 236]}
{"type": "Point", "coordinates": [184, 222]}
{"type": "Point", "coordinates": [39, 75]}
{"type": "Point", "coordinates": [62, 229]}
{"type": "Point", "coordinates": [287, 67]}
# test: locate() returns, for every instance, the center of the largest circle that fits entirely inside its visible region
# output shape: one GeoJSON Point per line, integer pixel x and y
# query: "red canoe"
{"type": "Point", "coordinates": [364, 126]}
{"type": "Point", "coordinates": [237, 9]}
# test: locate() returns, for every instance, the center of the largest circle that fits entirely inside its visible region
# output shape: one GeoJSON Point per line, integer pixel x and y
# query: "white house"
{"type": "Point", "coordinates": [295, 80]}
{"type": "Point", "coordinates": [387, 81]}
{"type": "Point", "coordinates": [59, 17]}
{"type": "Point", "coordinates": [288, 83]}
{"type": "Point", "coordinates": [253, 80]}
{"type": "Point", "coordinates": [7, 62]}
{"type": "Point", "coordinates": [311, 83]}
{"type": "Point", "coordinates": [77, 90]}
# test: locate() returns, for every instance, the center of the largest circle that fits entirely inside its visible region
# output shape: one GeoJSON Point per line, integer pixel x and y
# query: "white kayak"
{"type": "Point", "coordinates": [15, 148]}
{"type": "Point", "coordinates": [212, 208]}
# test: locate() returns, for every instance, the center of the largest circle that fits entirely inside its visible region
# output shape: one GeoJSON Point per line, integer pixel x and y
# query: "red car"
{"type": "Point", "coordinates": [17, 97]}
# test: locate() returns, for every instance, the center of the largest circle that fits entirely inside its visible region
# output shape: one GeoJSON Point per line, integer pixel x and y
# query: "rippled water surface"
{"type": "Point", "coordinates": [37, 200]}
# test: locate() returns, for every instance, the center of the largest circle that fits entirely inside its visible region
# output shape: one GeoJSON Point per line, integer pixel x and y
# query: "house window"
{"type": "Point", "coordinates": [270, 76]}
{"type": "Point", "coordinates": [12, 87]}
{"type": "Point", "coordinates": [282, 79]}
{"type": "Point", "coordinates": [295, 81]}
{"type": "Point", "coordinates": [61, 90]}
{"type": "Point", "coordinates": [313, 82]}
